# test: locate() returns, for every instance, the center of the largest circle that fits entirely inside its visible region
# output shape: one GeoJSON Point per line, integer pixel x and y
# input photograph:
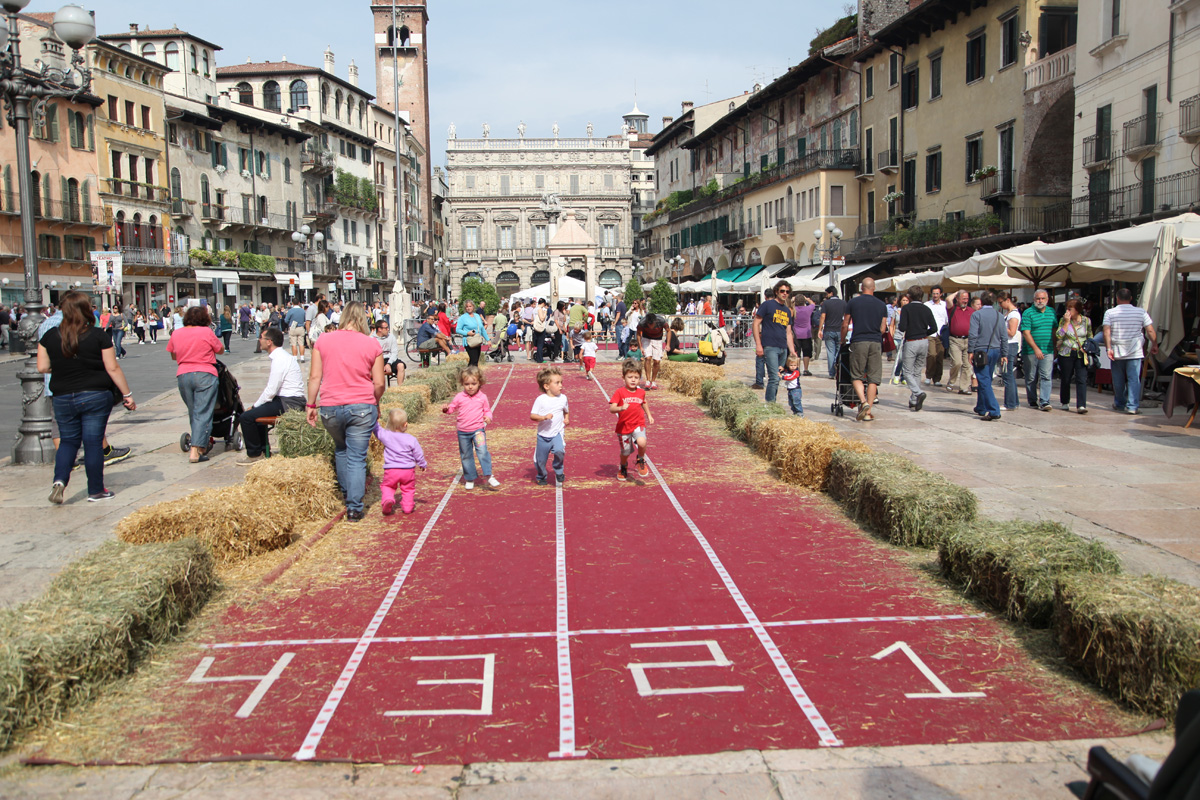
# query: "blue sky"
{"type": "Point", "coordinates": [569, 62]}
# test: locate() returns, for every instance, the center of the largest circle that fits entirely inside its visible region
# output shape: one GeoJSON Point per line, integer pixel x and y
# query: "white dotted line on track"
{"type": "Point", "coordinates": [308, 749]}
{"type": "Point", "coordinates": [475, 637]}
{"type": "Point", "coordinates": [562, 640]}
{"type": "Point", "coordinates": [824, 734]}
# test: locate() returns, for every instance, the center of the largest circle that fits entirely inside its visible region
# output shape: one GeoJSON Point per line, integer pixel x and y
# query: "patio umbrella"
{"type": "Point", "coordinates": [1026, 265]}
{"type": "Point", "coordinates": [1160, 295]}
{"type": "Point", "coordinates": [1136, 243]}
{"type": "Point", "coordinates": [1188, 259]}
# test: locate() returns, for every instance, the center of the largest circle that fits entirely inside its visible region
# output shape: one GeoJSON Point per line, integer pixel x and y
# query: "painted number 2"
{"type": "Point", "coordinates": [942, 689]}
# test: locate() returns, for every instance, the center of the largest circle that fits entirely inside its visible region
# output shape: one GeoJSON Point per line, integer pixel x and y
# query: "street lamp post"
{"type": "Point", "coordinates": [830, 253]}
{"type": "Point", "coordinates": [309, 244]}
{"type": "Point", "coordinates": [676, 264]}
{"type": "Point", "coordinates": [24, 94]}
{"type": "Point", "coordinates": [438, 266]}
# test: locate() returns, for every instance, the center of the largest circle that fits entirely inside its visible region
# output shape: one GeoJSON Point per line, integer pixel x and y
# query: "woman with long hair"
{"type": "Point", "coordinates": [347, 377]}
{"type": "Point", "coordinates": [226, 327]}
{"type": "Point", "coordinates": [195, 348]}
{"type": "Point", "coordinates": [84, 372]}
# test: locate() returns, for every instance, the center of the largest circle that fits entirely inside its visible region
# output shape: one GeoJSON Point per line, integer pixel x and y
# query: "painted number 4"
{"type": "Point", "coordinates": [942, 689]}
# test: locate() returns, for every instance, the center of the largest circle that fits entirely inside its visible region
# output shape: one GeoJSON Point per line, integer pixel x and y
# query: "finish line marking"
{"type": "Point", "coordinates": [824, 733]}
{"type": "Point", "coordinates": [308, 749]}
{"type": "Point", "coordinates": [474, 637]}
{"type": "Point", "coordinates": [566, 689]}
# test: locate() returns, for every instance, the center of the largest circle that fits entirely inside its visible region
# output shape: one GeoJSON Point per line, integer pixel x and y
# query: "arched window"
{"type": "Point", "coordinates": [245, 94]}
{"type": "Point", "coordinates": [136, 229]}
{"type": "Point", "coordinates": [609, 279]}
{"type": "Point", "coordinates": [540, 276]}
{"type": "Point", "coordinates": [271, 96]}
{"type": "Point", "coordinates": [125, 46]}
{"type": "Point", "coordinates": [324, 99]}
{"type": "Point", "coordinates": [349, 108]}
{"type": "Point", "coordinates": [206, 211]}
{"type": "Point", "coordinates": [507, 282]}
{"type": "Point", "coordinates": [471, 276]}
{"type": "Point", "coordinates": [148, 51]}
{"type": "Point", "coordinates": [176, 184]}
{"type": "Point", "coordinates": [299, 94]}
{"type": "Point", "coordinates": [152, 233]}
{"type": "Point", "coordinates": [192, 52]}
{"type": "Point", "coordinates": [207, 71]}
{"type": "Point", "coordinates": [337, 105]}
{"type": "Point", "coordinates": [577, 274]}
{"type": "Point", "coordinates": [208, 241]}
{"type": "Point", "coordinates": [405, 37]}
{"type": "Point", "coordinates": [171, 51]}
{"type": "Point", "coordinates": [362, 113]}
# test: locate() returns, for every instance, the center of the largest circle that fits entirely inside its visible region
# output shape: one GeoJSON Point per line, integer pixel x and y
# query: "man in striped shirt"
{"type": "Point", "coordinates": [1126, 328]}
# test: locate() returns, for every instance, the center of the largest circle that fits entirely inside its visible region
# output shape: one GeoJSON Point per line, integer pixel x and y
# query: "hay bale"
{"type": "Point", "coordinates": [687, 378]}
{"type": "Point", "coordinates": [750, 416]}
{"type": "Point", "coordinates": [725, 405]}
{"type": "Point", "coordinates": [413, 403]}
{"type": "Point", "coordinates": [442, 381]}
{"type": "Point", "coordinates": [93, 624]}
{"type": "Point", "coordinates": [297, 438]}
{"type": "Point", "coordinates": [1138, 637]}
{"type": "Point", "coordinates": [308, 484]}
{"type": "Point", "coordinates": [711, 387]}
{"type": "Point", "coordinates": [394, 393]}
{"type": "Point", "coordinates": [235, 521]}
{"type": "Point", "coordinates": [891, 495]}
{"type": "Point", "coordinates": [1013, 566]}
{"type": "Point", "coordinates": [799, 449]}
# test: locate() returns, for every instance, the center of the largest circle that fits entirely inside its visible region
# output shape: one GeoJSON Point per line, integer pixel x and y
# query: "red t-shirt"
{"type": "Point", "coordinates": [444, 324]}
{"type": "Point", "coordinates": [633, 417]}
{"type": "Point", "coordinates": [195, 348]}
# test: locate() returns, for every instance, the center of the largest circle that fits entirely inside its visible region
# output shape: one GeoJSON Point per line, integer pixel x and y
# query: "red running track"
{"type": "Point", "coordinates": [667, 616]}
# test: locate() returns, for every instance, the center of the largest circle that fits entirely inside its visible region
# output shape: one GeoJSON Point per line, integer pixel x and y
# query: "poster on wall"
{"type": "Point", "coordinates": [106, 271]}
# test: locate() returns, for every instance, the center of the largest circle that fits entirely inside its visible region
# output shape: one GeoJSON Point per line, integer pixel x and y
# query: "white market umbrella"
{"type": "Point", "coordinates": [1188, 259]}
{"type": "Point", "coordinates": [567, 287]}
{"type": "Point", "coordinates": [1160, 295]}
{"type": "Point", "coordinates": [1136, 243]}
{"type": "Point", "coordinates": [1024, 266]}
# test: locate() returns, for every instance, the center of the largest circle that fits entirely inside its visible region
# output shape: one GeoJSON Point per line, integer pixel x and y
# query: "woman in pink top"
{"type": "Point", "coordinates": [195, 348]}
{"type": "Point", "coordinates": [347, 373]}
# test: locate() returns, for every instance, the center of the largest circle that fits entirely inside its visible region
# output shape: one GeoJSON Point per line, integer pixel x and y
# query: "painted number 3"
{"type": "Point", "coordinates": [942, 689]}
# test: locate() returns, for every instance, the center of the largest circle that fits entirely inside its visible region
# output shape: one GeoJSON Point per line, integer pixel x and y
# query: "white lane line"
{"type": "Point", "coordinates": [562, 640]}
{"type": "Point", "coordinates": [824, 734]}
{"type": "Point", "coordinates": [474, 637]}
{"type": "Point", "coordinates": [308, 749]}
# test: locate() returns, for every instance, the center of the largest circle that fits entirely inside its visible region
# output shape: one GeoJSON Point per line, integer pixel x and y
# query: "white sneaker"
{"type": "Point", "coordinates": [493, 482]}
{"type": "Point", "coordinates": [469, 485]}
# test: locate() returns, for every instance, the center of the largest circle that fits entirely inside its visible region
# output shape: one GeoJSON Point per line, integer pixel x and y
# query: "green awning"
{"type": "Point", "coordinates": [747, 273]}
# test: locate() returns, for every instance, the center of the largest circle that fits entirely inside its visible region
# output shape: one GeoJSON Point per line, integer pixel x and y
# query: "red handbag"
{"type": "Point", "coordinates": [889, 344]}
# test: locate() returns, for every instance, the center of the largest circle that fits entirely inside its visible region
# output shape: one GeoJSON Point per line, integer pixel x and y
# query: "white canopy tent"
{"type": "Point", "coordinates": [1188, 259]}
{"type": "Point", "coordinates": [1160, 295]}
{"type": "Point", "coordinates": [1022, 266]}
{"type": "Point", "coordinates": [1136, 243]}
{"type": "Point", "coordinates": [567, 287]}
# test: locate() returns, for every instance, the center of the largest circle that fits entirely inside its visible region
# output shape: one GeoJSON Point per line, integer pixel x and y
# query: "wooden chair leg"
{"type": "Point", "coordinates": [1192, 418]}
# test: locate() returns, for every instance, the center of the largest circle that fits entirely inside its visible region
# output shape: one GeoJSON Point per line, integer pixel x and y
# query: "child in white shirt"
{"type": "Point", "coordinates": [551, 414]}
{"type": "Point", "coordinates": [587, 352]}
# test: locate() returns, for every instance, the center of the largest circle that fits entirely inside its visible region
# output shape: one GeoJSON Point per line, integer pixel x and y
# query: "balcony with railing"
{"type": "Point", "coordinates": [887, 161]}
{"type": "Point", "coordinates": [670, 252]}
{"type": "Point", "coordinates": [1169, 193]}
{"type": "Point", "coordinates": [1143, 135]}
{"type": "Point", "coordinates": [506, 254]}
{"type": "Point", "coordinates": [253, 219]}
{"type": "Point", "coordinates": [751, 230]}
{"type": "Point", "coordinates": [1098, 149]}
{"type": "Point", "coordinates": [731, 237]}
{"type": "Point", "coordinates": [1053, 67]}
{"type": "Point", "coordinates": [646, 249]}
{"type": "Point", "coordinates": [137, 190]}
{"type": "Point", "coordinates": [317, 162]}
{"type": "Point", "coordinates": [327, 211]}
{"type": "Point", "coordinates": [155, 257]}
{"type": "Point", "coordinates": [610, 253]}
{"type": "Point", "coordinates": [1189, 118]}
{"type": "Point", "coordinates": [180, 208]}
{"type": "Point", "coordinates": [211, 212]}
{"type": "Point", "coordinates": [419, 250]}
{"type": "Point", "coordinates": [1001, 183]}
{"type": "Point", "coordinates": [71, 212]}
{"type": "Point", "coordinates": [867, 171]}
{"type": "Point", "coordinates": [785, 226]}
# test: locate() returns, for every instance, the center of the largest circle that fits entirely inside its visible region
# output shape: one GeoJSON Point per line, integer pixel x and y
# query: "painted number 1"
{"type": "Point", "coordinates": [942, 689]}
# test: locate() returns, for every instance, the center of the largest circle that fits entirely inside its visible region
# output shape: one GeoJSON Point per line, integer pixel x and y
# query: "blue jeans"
{"type": "Point", "coordinates": [833, 343]}
{"type": "Point", "coordinates": [82, 418]}
{"type": "Point", "coordinates": [350, 428]}
{"type": "Point", "coordinates": [622, 341]}
{"type": "Point", "coordinates": [199, 393]}
{"type": "Point", "coordinates": [985, 402]}
{"type": "Point", "coordinates": [1011, 398]}
{"type": "Point", "coordinates": [544, 448]}
{"type": "Point", "coordinates": [760, 370]}
{"type": "Point", "coordinates": [773, 356]}
{"type": "Point", "coordinates": [471, 444]}
{"type": "Point", "coordinates": [1126, 383]}
{"type": "Point", "coordinates": [1037, 378]}
{"type": "Point", "coordinates": [794, 398]}
{"type": "Point", "coordinates": [118, 335]}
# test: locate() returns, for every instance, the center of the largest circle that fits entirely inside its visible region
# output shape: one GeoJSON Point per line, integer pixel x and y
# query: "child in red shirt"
{"type": "Point", "coordinates": [633, 414]}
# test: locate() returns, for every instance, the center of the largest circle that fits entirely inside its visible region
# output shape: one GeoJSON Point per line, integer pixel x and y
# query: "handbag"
{"type": "Point", "coordinates": [889, 343]}
{"type": "Point", "coordinates": [474, 339]}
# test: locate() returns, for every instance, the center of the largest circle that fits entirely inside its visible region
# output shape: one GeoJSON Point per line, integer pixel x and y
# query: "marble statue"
{"type": "Point", "coordinates": [487, 130]}
{"type": "Point", "coordinates": [521, 129]}
{"type": "Point", "coordinates": [555, 130]}
{"type": "Point", "coordinates": [452, 133]}
{"type": "Point", "coordinates": [590, 129]}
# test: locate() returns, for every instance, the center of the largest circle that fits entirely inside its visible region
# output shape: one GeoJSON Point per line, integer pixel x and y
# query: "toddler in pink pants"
{"type": "Point", "coordinates": [401, 456]}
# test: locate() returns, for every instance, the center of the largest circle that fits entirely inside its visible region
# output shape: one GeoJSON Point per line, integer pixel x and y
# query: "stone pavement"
{"type": "Point", "coordinates": [1132, 482]}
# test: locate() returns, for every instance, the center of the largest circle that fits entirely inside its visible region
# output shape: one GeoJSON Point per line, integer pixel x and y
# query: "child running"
{"type": "Point", "coordinates": [551, 414]}
{"type": "Point", "coordinates": [791, 382]}
{"type": "Point", "coordinates": [473, 412]}
{"type": "Point", "coordinates": [633, 414]}
{"type": "Point", "coordinates": [401, 456]}
{"type": "Point", "coordinates": [587, 352]}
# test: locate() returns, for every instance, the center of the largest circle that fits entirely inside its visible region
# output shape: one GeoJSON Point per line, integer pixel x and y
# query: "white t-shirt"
{"type": "Point", "coordinates": [588, 349]}
{"type": "Point", "coordinates": [545, 404]}
{"type": "Point", "coordinates": [940, 316]}
{"type": "Point", "coordinates": [1126, 322]}
{"type": "Point", "coordinates": [632, 319]}
{"type": "Point", "coordinates": [1014, 314]}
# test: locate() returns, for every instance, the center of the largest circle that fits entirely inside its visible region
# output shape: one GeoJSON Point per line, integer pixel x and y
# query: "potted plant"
{"type": "Point", "coordinates": [984, 172]}
{"type": "Point", "coordinates": [891, 241]}
{"type": "Point", "coordinates": [992, 223]}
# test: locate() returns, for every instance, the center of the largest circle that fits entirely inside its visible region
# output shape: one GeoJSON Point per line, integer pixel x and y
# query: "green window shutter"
{"type": "Point", "coordinates": [72, 131]}
{"type": "Point", "coordinates": [46, 196]}
{"type": "Point", "coordinates": [212, 151]}
{"type": "Point", "coordinates": [762, 162]}
{"type": "Point", "coordinates": [779, 156]}
{"type": "Point", "coordinates": [85, 201]}
{"type": "Point", "coordinates": [268, 165]}
{"type": "Point", "coordinates": [224, 156]}
{"type": "Point", "coordinates": [745, 169]}
{"type": "Point", "coordinates": [91, 131]}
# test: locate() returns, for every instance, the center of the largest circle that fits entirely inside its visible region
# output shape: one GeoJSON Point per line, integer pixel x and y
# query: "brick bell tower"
{"type": "Point", "coordinates": [400, 53]}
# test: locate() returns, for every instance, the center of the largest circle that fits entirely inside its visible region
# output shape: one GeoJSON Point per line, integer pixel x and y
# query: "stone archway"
{"type": "Point", "coordinates": [722, 263]}
{"type": "Point", "coordinates": [773, 256]}
{"type": "Point", "coordinates": [1049, 132]}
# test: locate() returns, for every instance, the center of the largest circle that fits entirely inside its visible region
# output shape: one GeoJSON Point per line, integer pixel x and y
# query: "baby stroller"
{"type": "Point", "coordinates": [843, 391]}
{"type": "Point", "coordinates": [712, 345]}
{"type": "Point", "coordinates": [225, 415]}
{"type": "Point", "coordinates": [499, 350]}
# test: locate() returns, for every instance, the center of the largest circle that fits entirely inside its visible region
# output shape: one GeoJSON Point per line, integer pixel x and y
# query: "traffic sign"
{"type": "Point", "coordinates": [349, 279]}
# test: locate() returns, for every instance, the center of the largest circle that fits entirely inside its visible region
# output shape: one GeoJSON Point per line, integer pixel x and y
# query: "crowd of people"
{"type": "Point", "coordinates": [985, 337]}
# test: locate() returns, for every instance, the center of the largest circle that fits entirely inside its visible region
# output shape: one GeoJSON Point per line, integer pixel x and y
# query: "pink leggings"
{"type": "Point", "coordinates": [406, 479]}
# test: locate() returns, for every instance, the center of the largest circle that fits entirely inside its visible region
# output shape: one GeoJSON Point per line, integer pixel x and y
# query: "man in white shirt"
{"type": "Point", "coordinates": [335, 313]}
{"type": "Point", "coordinates": [934, 363]}
{"type": "Point", "coordinates": [392, 365]}
{"type": "Point", "coordinates": [1126, 329]}
{"type": "Point", "coordinates": [284, 392]}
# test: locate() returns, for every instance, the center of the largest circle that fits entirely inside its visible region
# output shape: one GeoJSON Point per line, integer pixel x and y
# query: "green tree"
{"type": "Point", "coordinates": [633, 291]}
{"type": "Point", "coordinates": [367, 199]}
{"type": "Point", "coordinates": [484, 294]}
{"type": "Point", "coordinates": [662, 298]}
{"type": "Point", "coordinates": [345, 188]}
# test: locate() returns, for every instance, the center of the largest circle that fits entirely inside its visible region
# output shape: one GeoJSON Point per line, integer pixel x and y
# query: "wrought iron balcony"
{"type": "Point", "coordinates": [137, 190]}
{"type": "Point", "coordinates": [211, 212]}
{"type": "Point", "coordinates": [1189, 118]}
{"type": "Point", "coordinates": [155, 257]}
{"type": "Point", "coordinates": [731, 237]}
{"type": "Point", "coordinates": [999, 184]}
{"type": "Point", "coordinates": [180, 208]}
{"type": "Point", "coordinates": [887, 161]}
{"type": "Point", "coordinates": [317, 162]}
{"type": "Point", "coordinates": [1098, 149]}
{"type": "Point", "coordinates": [1143, 135]}
{"type": "Point", "coordinates": [785, 226]}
